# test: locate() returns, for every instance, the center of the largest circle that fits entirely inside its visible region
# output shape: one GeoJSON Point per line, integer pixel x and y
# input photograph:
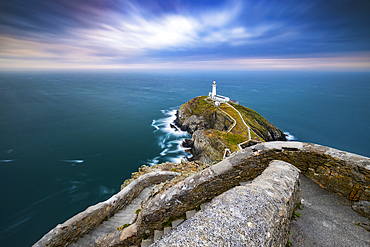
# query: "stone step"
{"type": "Point", "coordinates": [147, 242]}
{"type": "Point", "coordinates": [190, 213]}
{"type": "Point", "coordinates": [177, 222]}
{"type": "Point", "coordinates": [245, 182]}
{"type": "Point", "coordinates": [203, 205]}
{"type": "Point", "coordinates": [167, 230]}
{"type": "Point", "coordinates": [158, 234]}
{"type": "Point", "coordinates": [124, 216]}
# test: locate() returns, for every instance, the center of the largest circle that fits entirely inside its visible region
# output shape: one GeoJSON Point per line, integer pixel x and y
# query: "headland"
{"type": "Point", "coordinates": [241, 187]}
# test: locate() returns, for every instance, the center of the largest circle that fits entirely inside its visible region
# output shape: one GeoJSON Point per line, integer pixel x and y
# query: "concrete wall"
{"type": "Point", "coordinates": [82, 223]}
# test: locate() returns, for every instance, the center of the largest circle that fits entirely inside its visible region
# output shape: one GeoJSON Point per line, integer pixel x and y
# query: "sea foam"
{"type": "Point", "coordinates": [73, 161]}
{"type": "Point", "coordinates": [290, 137]}
{"type": "Point", "coordinates": [6, 161]}
{"type": "Point", "coordinates": [169, 138]}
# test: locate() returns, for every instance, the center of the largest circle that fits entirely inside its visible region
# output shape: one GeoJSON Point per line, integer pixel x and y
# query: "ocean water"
{"type": "Point", "coordinates": [69, 139]}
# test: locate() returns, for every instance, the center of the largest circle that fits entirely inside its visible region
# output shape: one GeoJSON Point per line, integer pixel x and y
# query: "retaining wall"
{"type": "Point", "coordinates": [74, 228]}
{"type": "Point", "coordinates": [337, 171]}
{"type": "Point", "coordinates": [256, 214]}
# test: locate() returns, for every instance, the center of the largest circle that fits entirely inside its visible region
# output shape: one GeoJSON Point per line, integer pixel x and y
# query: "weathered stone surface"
{"type": "Point", "coordinates": [326, 219]}
{"type": "Point", "coordinates": [337, 171]}
{"type": "Point", "coordinates": [362, 208]}
{"type": "Point", "coordinates": [248, 164]}
{"type": "Point", "coordinates": [190, 213]}
{"type": "Point", "coordinates": [82, 223]}
{"type": "Point", "coordinates": [206, 149]}
{"type": "Point", "coordinates": [129, 232]}
{"type": "Point", "coordinates": [257, 214]}
{"type": "Point", "coordinates": [158, 234]}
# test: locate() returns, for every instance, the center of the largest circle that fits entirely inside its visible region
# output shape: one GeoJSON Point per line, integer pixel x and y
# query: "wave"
{"type": "Point", "coordinates": [11, 229]}
{"type": "Point", "coordinates": [155, 126]}
{"type": "Point", "coordinates": [79, 197]}
{"type": "Point", "coordinates": [6, 161]}
{"type": "Point", "coordinates": [169, 138]}
{"type": "Point", "coordinates": [73, 161]}
{"type": "Point", "coordinates": [105, 191]}
{"type": "Point", "coordinates": [290, 137]}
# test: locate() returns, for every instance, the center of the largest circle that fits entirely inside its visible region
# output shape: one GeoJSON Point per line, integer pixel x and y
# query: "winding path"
{"type": "Point", "coordinates": [246, 125]}
{"type": "Point", "coordinates": [234, 124]}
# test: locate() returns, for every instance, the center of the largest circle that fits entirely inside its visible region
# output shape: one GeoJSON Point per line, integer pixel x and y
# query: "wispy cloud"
{"type": "Point", "coordinates": [124, 32]}
{"type": "Point", "coordinates": [141, 32]}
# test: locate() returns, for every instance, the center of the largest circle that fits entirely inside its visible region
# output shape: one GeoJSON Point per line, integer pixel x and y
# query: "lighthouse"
{"type": "Point", "coordinates": [218, 98]}
{"type": "Point", "coordinates": [214, 89]}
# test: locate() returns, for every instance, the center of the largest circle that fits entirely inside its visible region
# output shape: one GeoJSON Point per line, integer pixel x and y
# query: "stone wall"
{"type": "Point", "coordinates": [256, 214]}
{"type": "Point", "coordinates": [82, 223]}
{"type": "Point", "coordinates": [337, 171]}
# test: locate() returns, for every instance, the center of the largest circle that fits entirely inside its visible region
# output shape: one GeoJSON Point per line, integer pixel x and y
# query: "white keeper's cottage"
{"type": "Point", "coordinates": [216, 97]}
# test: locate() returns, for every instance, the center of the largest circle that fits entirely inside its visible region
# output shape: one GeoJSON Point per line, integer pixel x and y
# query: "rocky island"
{"type": "Point", "coordinates": [241, 187]}
{"type": "Point", "coordinates": [215, 129]}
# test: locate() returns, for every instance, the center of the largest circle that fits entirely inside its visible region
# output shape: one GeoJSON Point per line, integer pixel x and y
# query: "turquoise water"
{"type": "Point", "coordinates": [69, 139]}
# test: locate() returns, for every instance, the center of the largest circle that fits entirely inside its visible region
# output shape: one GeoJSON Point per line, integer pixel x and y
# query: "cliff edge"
{"type": "Point", "coordinates": [216, 128]}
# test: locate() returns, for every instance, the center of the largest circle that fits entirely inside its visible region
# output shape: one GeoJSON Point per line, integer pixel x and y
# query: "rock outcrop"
{"type": "Point", "coordinates": [206, 123]}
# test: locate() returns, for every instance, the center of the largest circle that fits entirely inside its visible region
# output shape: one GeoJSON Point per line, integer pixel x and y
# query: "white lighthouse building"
{"type": "Point", "coordinates": [216, 97]}
{"type": "Point", "coordinates": [214, 89]}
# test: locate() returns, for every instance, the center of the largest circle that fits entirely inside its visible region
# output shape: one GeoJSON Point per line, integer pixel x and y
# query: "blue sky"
{"type": "Point", "coordinates": [293, 34]}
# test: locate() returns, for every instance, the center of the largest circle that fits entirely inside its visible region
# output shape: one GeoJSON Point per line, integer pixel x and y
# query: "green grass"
{"type": "Point", "coordinates": [258, 124]}
{"type": "Point", "coordinates": [167, 223]}
{"type": "Point", "coordinates": [201, 107]}
{"type": "Point", "coordinates": [231, 140]}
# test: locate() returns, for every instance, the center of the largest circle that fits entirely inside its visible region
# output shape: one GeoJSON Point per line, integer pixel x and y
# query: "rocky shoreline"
{"type": "Point", "coordinates": [186, 186]}
{"type": "Point", "coordinates": [200, 123]}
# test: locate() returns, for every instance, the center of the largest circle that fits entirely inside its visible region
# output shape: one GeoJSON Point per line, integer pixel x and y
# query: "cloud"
{"type": "Point", "coordinates": [141, 32]}
{"type": "Point", "coordinates": [136, 31]}
{"type": "Point", "coordinates": [122, 32]}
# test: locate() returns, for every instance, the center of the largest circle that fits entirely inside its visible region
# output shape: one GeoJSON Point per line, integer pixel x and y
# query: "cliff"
{"type": "Point", "coordinates": [217, 128]}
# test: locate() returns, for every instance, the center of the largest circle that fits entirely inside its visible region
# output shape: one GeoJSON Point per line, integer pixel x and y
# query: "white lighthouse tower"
{"type": "Point", "coordinates": [217, 98]}
{"type": "Point", "coordinates": [214, 89]}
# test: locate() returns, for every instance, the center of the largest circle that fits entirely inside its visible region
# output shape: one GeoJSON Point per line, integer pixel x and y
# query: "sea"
{"type": "Point", "coordinates": [68, 139]}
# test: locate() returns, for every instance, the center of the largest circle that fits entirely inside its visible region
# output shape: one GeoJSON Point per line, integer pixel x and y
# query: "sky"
{"type": "Point", "coordinates": [231, 34]}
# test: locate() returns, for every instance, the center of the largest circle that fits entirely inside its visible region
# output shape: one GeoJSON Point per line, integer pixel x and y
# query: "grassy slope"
{"type": "Point", "coordinates": [258, 123]}
{"type": "Point", "coordinates": [200, 107]}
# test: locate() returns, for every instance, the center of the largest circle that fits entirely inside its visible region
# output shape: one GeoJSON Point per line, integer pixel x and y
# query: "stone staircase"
{"type": "Point", "coordinates": [125, 216]}
{"type": "Point", "coordinates": [159, 233]}
{"type": "Point", "coordinates": [128, 216]}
